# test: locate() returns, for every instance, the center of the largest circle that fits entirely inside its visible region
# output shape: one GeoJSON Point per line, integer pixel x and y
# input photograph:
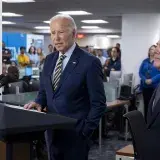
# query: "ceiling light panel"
{"type": "Point", "coordinates": [18, 1]}
{"type": "Point", "coordinates": [75, 12]}
{"type": "Point", "coordinates": [9, 14]}
{"type": "Point", "coordinates": [94, 21]}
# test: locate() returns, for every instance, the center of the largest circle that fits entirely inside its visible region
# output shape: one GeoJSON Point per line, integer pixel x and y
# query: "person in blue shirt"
{"type": "Point", "coordinates": [150, 78]}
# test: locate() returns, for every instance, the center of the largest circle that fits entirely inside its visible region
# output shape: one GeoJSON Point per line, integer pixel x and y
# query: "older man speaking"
{"type": "Point", "coordinates": [71, 85]}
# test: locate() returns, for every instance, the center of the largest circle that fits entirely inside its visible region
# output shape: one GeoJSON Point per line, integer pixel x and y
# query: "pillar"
{"type": "Point", "coordinates": [0, 43]}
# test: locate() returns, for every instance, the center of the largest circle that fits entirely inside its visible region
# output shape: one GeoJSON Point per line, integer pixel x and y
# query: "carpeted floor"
{"type": "Point", "coordinates": [109, 147]}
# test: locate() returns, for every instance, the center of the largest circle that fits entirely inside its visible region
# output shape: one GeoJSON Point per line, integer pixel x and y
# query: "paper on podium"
{"type": "Point", "coordinates": [22, 108]}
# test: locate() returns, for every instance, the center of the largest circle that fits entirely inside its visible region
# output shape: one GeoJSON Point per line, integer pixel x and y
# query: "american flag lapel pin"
{"type": "Point", "coordinates": [74, 62]}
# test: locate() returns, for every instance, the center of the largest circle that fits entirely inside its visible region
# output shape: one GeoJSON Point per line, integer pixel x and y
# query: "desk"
{"type": "Point", "coordinates": [19, 99]}
{"type": "Point", "coordinates": [126, 153]}
{"type": "Point", "coordinates": [111, 106]}
{"type": "Point", "coordinates": [23, 98]}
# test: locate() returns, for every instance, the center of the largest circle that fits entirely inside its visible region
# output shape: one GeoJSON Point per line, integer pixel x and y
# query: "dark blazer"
{"type": "Point", "coordinates": [113, 65]}
{"type": "Point", "coordinates": [80, 93]}
{"type": "Point", "coordinates": [152, 136]}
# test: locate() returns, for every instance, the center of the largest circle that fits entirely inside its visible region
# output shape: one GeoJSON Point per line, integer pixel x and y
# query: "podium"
{"type": "Point", "coordinates": [19, 127]}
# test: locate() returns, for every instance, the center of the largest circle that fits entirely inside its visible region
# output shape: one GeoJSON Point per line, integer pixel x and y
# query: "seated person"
{"type": "Point", "coordinates": [23, 60]}
{"type": "Point", "coordinates": [114, 63]}
{"type": "Point", "coordinates": [4, 68]}
{"type": "Point", "coordinates": [12, 75]}
{"type": "Point", "coordinates": [6, 54]}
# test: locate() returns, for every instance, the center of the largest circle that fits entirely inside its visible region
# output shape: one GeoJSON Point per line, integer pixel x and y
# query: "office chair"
{"type": "Point", "coordinates": [137, 127]}
{"type": "Point", "coordinates": [34, 85]}
{"type": "Point", "coordinates": [114, 75]}
{"type": "Point", "coordinates": [128, 79]}
{"type": "Point", "coordinates": [15, 87]}
{"type": "Point", "coordinates": [111, 90]}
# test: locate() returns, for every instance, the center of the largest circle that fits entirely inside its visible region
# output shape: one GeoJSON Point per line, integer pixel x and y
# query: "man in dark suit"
{"type": "Point", "coordinates": [152, 136]}
{"type": "Point", "coordinates": [71, 85]}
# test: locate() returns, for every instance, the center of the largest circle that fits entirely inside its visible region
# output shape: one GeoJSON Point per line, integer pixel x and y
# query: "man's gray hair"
{"type": "Point", "coordinates": [61, 16]}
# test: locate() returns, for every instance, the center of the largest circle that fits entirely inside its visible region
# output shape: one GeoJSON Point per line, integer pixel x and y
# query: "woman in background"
{"type": "Point", "coordinates": [41, 59]}
{"type": "Point", "coordinates": [150, 78]}
{"type": "Point", "coordinates": [114, 63]}
{"type": "Point", "coordinates": [33, 57]}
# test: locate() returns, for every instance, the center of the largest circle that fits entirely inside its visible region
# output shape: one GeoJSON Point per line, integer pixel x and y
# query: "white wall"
{"type": "Point", "coordinates": [115, 40]}
{"type": "Point", "coordinates": [98, 41]}
{"type": "Point", "coordinates": [139, 32]}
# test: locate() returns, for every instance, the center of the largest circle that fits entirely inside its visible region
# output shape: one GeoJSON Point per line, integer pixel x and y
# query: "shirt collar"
{"type": "Point", "coordinates": [69, 52]}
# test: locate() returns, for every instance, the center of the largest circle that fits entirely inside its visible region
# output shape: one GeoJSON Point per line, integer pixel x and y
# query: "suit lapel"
{"type": "Point", "coordinates": [53, 63]}
{"type": "Point", "coordinates": [153, 114]}
{"type": "Point", "coordinates": [72, 63]}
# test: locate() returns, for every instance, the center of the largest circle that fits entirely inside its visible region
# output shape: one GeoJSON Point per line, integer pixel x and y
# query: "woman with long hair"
{"type": "Point", "coordinates": [150, 78]}
{"type": "Point", "coordinates": [33, 56]}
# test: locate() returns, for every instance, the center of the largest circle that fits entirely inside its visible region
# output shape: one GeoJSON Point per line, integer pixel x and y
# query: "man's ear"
{"type": "Point", "coordinates": [74, 33]}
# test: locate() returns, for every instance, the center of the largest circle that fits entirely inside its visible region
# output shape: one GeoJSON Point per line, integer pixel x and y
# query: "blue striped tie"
{"type": "Point", "coordinates": [58, 71]}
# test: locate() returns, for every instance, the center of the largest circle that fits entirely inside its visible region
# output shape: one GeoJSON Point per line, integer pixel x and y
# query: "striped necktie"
{"type": "Point", "coordinates": [58, 71]}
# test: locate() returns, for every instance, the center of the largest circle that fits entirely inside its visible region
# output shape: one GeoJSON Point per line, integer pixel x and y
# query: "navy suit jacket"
{"type": "Point", "coordinates": [151, 138]}
{"type": "Point", "coordinates": [80, 93]}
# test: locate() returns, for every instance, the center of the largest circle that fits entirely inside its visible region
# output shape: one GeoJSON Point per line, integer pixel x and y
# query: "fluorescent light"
{"type": "Point", "coordinates": [42, 31]}
{"type": "Point", "coordinates": [9, 14]}
{"type": "Point", "coordinates": [42, 27]}
{"type": "Point", "coordinates": [100, 30]}
{"type": "Point", "coordinates": [46, 21]}
{"type": "Point", "coordinates": [18, 1]}
{"type": "Point", "coordinates": [75, 12]}
{"type": "Point", "coordinates": [89, 27]}
{"type": "Point", "coordinates": [7, 22]}
{"type": "Point", "coordinates": [94, 21]}
{"type": "Point", "coordinates": [113, 36]}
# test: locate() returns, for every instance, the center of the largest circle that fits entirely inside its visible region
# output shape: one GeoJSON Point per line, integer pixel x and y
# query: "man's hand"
{"type": "Point", "coordinates": [33, 105]}
{"type": "Point", "coordinates": [148, 81]}
{"type": "Point", "coordinates": [112, 69]}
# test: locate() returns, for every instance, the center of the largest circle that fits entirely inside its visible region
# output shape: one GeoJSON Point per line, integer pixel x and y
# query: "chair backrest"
{"type": "Point", "coordinates": [16, 85]}
{"type": "Point", "coordinates": [128, 79]}
{"type": "Point", "coordinates": [114, 75]}
{"type": "Point", "coordinates": [110, 91]}
{"type": "Point", "coordinates": [137, 128]}
{"type": "Point", "coordinates": [34, 85]}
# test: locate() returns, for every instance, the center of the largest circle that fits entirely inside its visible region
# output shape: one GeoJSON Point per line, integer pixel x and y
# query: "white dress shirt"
{"type": "Point", "coordinates": [102, 59]}
{"type": "Point", "coordinates": [67, 58]}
